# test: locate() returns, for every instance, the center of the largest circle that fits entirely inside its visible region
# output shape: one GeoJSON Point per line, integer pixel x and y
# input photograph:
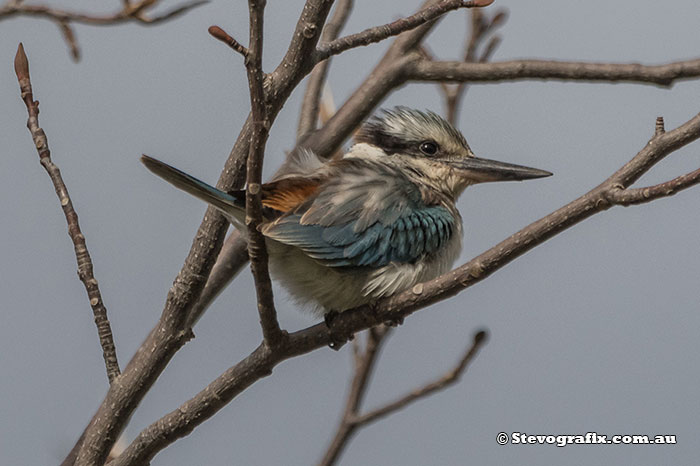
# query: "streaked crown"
{"type": "Point", "coordinates": [412, 132]}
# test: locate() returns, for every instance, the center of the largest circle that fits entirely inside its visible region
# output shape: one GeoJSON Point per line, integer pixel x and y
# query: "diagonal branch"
{"type": "Point", "coordinates": [223, 36]}
{"type": "Point", "coordinates": [449, 378]}
{"type": "Point", "coordinates": [308, 116]}
{"type": "Point", "coordinates": [130, 12]}
{"type": "Point", "coordinates": [365, 362]}
{"type": "Point", "coordinates": [82, 255]}
{"type": "Point", "coordinates": [628, 197]}
{"type": "Point", "coordinates": [379, 33]}
{"type": "Point", "coordinates": [261, 129]}
{"type": "Point", "coordinates": [480, 28]}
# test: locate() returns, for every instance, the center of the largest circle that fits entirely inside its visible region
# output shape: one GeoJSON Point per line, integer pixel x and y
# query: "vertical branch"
{"type": "Point", "coordinates": [308, 116]}
{"type": "Point", "coordinates": [85, 270]}
{"type": "Point", "coordinates": [480, 28]}
{"type": "Point", "coordinates": [260, 131]}
{"type": "Point", "coordinates": [364, 365]}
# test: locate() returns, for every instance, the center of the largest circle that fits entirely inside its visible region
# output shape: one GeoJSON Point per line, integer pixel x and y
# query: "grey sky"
{"type": "Point", "coordinates": [596, 330]}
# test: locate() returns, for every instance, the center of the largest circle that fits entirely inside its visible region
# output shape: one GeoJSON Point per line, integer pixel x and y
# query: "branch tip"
{"type": "Point", "coordinates": [659, 128]}
{"type": "Point", "coordinates": [499, 18]}
{"type": "Point", "coordinates": [481, 337]}
{"type": "Point", "coordinates": [224, 37]}
{"type": "Point", "coordinates": [21, 63]}
{"type": "Point", "coordinates": [478, 3]}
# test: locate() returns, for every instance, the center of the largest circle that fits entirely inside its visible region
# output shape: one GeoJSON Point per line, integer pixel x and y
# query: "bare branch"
{"type": "Point", "coordinates": [379, 33]}
{"type": "Point", "coordinates": [480, 27]}
{"type": "Point", "coordinates": [261, 127]}
{"type": "Point", "coordinates": [133, 12]}
{"type": "Point", "coordinates": [308, 116]}
{"type": "Point", "coordinates": [69, 37]}
{"type": "Point", "coordinates": [172, 14]}
{"type": "Point", "coordinates": [449, 378]}
{"type": "Point", "coordinates": [233, 255]}
{"type": "Point", "coordinates": [625, 197]}
{"type": "Point", "coordinates": [661, 75]}
{"type": "Point", "coordinates": [365, 362]}
{"type": "Point", "coordinates": [223, 36]}
{"type": "Point", "coordinates": [82, 255]}
{"type": "Point", "coordinates": [130, 12]}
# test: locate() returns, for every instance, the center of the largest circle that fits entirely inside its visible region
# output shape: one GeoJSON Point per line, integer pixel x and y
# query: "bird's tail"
{"type": "Point", "coordinates": [229, 205]}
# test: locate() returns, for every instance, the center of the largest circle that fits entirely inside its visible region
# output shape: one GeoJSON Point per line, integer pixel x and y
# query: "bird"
{"type": "Point", "coordinates": [369, 224]}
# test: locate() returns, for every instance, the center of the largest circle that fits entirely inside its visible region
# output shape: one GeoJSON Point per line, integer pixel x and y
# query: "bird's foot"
{"type": "Point", "coordinates": [338, 340]}
{"type": "Point", "coordinates": [394, 322]}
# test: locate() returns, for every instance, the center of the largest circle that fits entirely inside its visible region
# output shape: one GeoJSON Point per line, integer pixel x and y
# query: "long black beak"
{"type": "Point", "coordinates": [483, 170]}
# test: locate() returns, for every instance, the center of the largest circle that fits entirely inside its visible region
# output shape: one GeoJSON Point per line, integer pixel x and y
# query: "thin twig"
{"type": "Point", "coordinates": [233, 253]}
{"type": "Point", "coordinates": [480, 28]}
{"type": "Point", "coordinates": [69, 37]}
{"type": "Point", "coordinates": [449, 378]}
{"type": "Point", "coordinates": [661, 75]}
{"type": "Point", "coordinates": [365, 362]}
{"type": "Point", "coordinates": [308, 116]}
{"type": "Point", "coordinates": [130, 12]}
{"type": "Point", "coordinates": [134, 12]}
{"type": "Point", "coordinates": [379, 33]}
{"type": "Point", "coordinates": [82, 255]}
{"type": "Point", "coordinates": [626, 197]}
{"type": "Point", "coordinates": [223, 36]}
{"type": "Point", "coordinates": [261, 126]}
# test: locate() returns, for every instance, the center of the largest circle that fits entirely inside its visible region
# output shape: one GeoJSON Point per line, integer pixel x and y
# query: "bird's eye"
{"type": "Point", "coordinates": [428, 147]}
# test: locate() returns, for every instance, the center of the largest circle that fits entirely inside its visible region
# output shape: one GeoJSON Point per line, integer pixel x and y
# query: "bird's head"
{"type": "Point", "coordinates": [431, 149]}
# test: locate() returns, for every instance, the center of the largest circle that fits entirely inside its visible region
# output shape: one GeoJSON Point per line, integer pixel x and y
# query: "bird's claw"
{"type": "Point", "coordinates": [338, 340]}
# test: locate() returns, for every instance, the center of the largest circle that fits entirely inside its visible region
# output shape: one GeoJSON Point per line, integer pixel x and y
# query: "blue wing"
{"type": "Point", "coordinates": [365, 218]}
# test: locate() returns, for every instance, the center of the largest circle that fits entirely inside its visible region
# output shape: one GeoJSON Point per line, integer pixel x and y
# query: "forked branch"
{"type": "Point", "coordinates": [379, 33]}
{"type": "Point", "coordinates": [64, 19]}
{"type": "Point", "coordinates": [365, 361]}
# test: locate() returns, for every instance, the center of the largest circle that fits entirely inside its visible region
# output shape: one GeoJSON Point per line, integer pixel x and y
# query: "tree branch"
{"type": "Point", "coordinates": [308, 116]}
{"type": "Point", "coordinates": [233, 255]}
{"type": "Point", "coordinates": [82, 255]}
{"type": "Point", "coordinates": [626, 197]}
{"type": "Point", "coordinates": [223, 36]}
{"type": "Point", "coordinates": [261, 126]}
{"type": "Point", "coordinates": [661, 75]}
{"type": "Point", "coordinates": [364, 366]}
{"type": "Point", "coordinates": [135, 12]}
{"type": "Point", "coordinates": [379, 33]}
{"type": "Point", "coordinates": [449, 378]}
{"type": "Point", "coordinates": [480, 28]}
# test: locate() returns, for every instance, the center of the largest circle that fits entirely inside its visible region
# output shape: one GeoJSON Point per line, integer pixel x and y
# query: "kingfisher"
{"type": "Point", "coordinates": [369, 224]}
